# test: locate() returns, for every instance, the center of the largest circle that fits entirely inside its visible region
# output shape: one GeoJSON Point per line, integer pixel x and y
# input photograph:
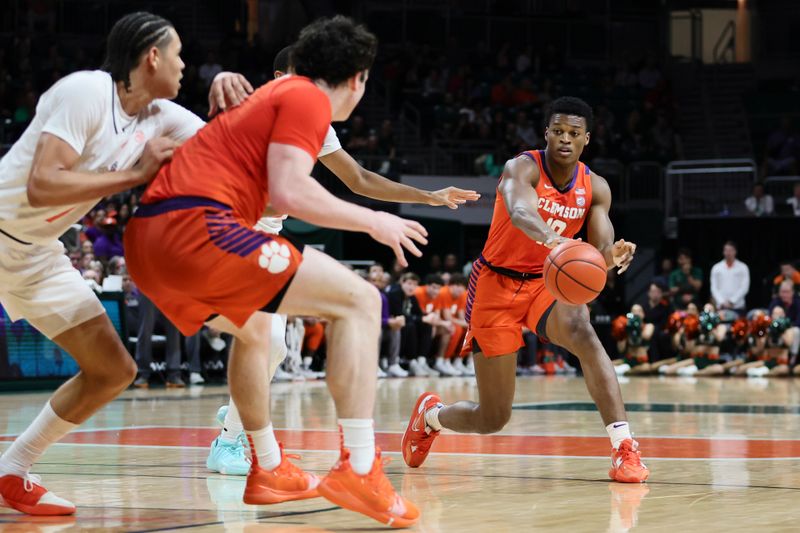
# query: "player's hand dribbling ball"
{"type": "Point", "coordinates": [575, 272]}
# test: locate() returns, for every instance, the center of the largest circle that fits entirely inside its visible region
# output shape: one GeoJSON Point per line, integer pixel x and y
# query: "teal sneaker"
{"type": "Point", "coordinates": [229, 459]}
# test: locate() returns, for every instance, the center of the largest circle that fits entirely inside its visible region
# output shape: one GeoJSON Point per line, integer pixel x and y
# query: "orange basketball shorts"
{"type": "Point", "coordinates": [195, 259]}
{"type": "Point", "coordinates": [499, 306]}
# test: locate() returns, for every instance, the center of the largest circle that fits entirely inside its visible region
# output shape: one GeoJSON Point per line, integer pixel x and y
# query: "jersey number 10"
{"type": "Point", "coordinates": [558, 226]}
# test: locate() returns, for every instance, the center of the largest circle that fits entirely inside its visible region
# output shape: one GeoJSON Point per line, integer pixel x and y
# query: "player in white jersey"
{"type": "Point", "coordinates": [227, 454]}
{"type": "Point", "coordinates": [94, 134]}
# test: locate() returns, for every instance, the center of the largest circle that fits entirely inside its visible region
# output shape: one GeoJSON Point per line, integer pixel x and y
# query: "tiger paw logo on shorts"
{"type": "Point", "coordinates": [274, 257]}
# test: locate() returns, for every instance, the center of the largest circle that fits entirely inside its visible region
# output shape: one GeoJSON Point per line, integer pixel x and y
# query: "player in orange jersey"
{"type": "Point", "coordinates": [454, 307]}
{"type": "Point", "coordinates": [192, 249]}
{"type": "Point", "coordinates": [544, 198]}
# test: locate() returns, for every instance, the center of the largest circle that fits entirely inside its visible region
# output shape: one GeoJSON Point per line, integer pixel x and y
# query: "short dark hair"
{"type": "Point", "coordinates": [458, 279]}
{"type": "Point", "coordinates": [409, 276]}
{"type": "Point", "coordinates": [731, 243]}
{"type": "Point", "coordinates": [434, 278]}
{"type": "Point", "coordinates": [685, 251]}
{"type": "Point", "coordinates": [281, 61]}
{"type": "Point", "coordinates": [333, 50]}
{"type": "Point", "coordinates": [131, 36]}
{"type": "Point", "coordinates": [570, 105]}
{"type": "Point", "coordinates": [659, 285]}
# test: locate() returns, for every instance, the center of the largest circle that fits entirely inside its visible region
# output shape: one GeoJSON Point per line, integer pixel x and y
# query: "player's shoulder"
{"type": "Point", "coordinates": [296, 87]}
{"type": "Point", "coordinates": [84, 84]}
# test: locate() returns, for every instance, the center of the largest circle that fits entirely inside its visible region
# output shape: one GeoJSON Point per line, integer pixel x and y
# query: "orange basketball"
{"type": "Point", "coordinates": [575, 272]}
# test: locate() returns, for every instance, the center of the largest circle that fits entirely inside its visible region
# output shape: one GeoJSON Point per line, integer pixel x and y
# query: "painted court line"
{"type": "Point", "coordinates": [491, 445]}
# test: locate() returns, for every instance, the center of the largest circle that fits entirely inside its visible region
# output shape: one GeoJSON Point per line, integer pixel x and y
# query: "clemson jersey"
{"type": "Point", "coordinates": [564, 210]}
{"type": "Point", "coordinates": [454, 305]}
{"type": "Point", "coordinates": [426, 303]}
{"type": "Point", "coordinates": [227, 160]}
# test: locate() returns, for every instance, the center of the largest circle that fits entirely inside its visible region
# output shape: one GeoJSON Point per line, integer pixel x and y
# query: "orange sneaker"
{"type": "Point", "coordinates": [371, 494]}
{"type": "Point", "coordinates": [626, 463]}
{"type": "Point", "coordinates": [26, 495]}
{"type": "Point", "coordinates": [419, 435]}
{"type": "Point", "coordinates": [287, 482]}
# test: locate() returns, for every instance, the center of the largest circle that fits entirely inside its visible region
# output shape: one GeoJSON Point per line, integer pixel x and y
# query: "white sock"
{"type": "Point", "coordinates": [46, 429]}
{"type": "Point", "coordinates": [618, 432]}
{"type": "Point", "coordinates": [359, 438]}
{"type": "Point", "coordinates": [266, 447]}
{"type": "Point", "coordinates": [432, 417]}
{"type": "Point", "coordinates": [232, 427]}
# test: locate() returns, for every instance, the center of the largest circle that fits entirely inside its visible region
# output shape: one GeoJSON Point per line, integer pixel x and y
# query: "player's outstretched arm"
{"type": "Point", "coordinates": [372, 185]}
{"type": "Point", "coordinates": [518, 189]}
{"type": "Point", "coordinates": [52, 181]}
{"type": "Point", "coordinates": [293, 191]}
{"type": "Point", "coordinates": [601, 231]}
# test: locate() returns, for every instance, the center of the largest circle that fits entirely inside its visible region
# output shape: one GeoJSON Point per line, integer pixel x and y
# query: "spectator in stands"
{"type": "Point", "coordinates": [730, 280]}
{"type": "Point", "coordinates": [789, 300]}
{"type": "Point", "coordinates": [450, 264]}
{"type": "Point", "coordinates": [391, 327]}
{"type": "Point", "coordinates": [685, 281]}
{"type": "Point", "coordinates": [612, 300]}
{"type": "Point", "coordinates": [109, 243]}
{"type": "Point", "coordinates": [386, 140]}
{"type": "Point", "coordinates": [782, 150]}
{"type": "Point", "coordinates": [357, 136]}
{"type": "Point", "coordinates": [148, 313]}
{"type": "Point", "coordinates": [92, 230]}
{"type": "Point", "coordinates": [526, 131]}
{"type": "Point", "coordinates": [788, 273]}
{"type": "Point", "coordinates": [209, 69]}
{"type": "Point", "coordinates": [123, 215]}
{"type": "Point", "coordinates": [503, 92]}
{"type": "Point", "coordinates": [87, 247]}
{"type": "Point", "coordinates": [760, 203]}
{"type": "Point", "coordinates": [657, 310]}
{"type": "Point", "coordinates": [649, 75]}
{"type": "Point", "coordinates": [662, 278]}
{"type": "Point", "coordinates": [794, 200]}
{"type": "Point", "coordinates": [415, 339]}
{"type": "Point", "coordinates": [433, 86]}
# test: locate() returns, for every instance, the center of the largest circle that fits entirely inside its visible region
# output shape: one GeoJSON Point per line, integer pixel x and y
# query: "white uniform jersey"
{"type": "Point", "coordinates": [82, 109]}
{"type": "Point", "coordinates": [331, 144]}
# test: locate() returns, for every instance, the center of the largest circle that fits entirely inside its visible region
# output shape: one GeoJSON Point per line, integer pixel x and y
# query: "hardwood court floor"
{"type": "Point", "coordinates": [724, 455]}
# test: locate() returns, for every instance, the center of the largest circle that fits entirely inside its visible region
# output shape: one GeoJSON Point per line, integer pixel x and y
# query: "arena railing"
{"type": "Point", "coordinates": [711, 187]}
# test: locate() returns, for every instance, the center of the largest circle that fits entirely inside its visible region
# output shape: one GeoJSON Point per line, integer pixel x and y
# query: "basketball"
{"type": "Point", "coordinates": [575, 272]}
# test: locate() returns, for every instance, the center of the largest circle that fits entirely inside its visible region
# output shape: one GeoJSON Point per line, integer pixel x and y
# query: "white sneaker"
{"type": "Point", "coordinates": [445, 368]}
{"type": "Point", "coordinates": [690, 370]}
{"type": "Point", "coordinates": [396, 371]}
{"type": "Point", "coordinates": [431, 372]}
{"type": "Point", "coordinates": [621, 369]}
{"type": "Point", "coordinates": [464, 369]}
{"type": "Point", "coordinates": [757, 372]}
{"type": "Point", "coordinates": [416, 370]}
{"type": "Point", "coordinates": [217, 343]}
{"type": "Point", "coordinates": [469, 364]}
{"type": "Point", "coordinates": [569, 369]}
{"type": "Point", "coordinates": [538, 370]}
{"type": "Point", "coordinates": [381, 373]}
{"type": "Point", "coordinates": [196, 379]}
{"type": "Point", "coordinates": [282, 375]}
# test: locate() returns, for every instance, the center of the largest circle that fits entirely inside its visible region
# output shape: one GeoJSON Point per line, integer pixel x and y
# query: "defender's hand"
{"type": "Point", "coordinates": [228, 89]}
{"type": "Point", "coordinates": [452, 197]}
